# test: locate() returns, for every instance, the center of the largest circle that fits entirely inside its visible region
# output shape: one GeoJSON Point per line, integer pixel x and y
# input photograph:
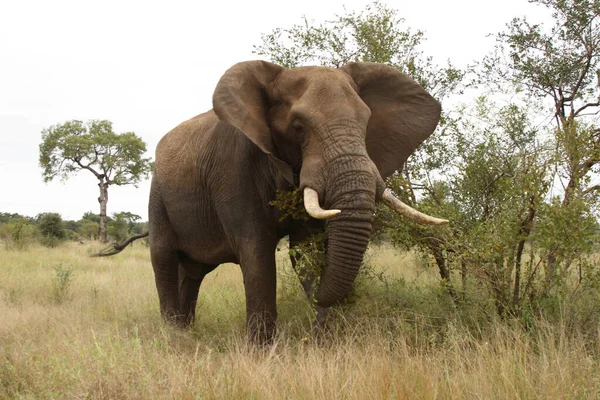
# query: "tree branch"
{"type": "Point", "coordinates": [580, 109]}
{"type": "Point", "coordinates": [116, 248]}
{"type": "Point", "coordinates": [78, 162]}
{"type": "Point", "coordinates": [587, 165]}
{"type": "Point", "coordinates": [582, 75]}
{"type": "Point", "coordinates": [591, 189]}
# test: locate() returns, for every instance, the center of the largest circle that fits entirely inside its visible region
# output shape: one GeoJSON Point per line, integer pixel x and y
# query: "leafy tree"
{"type": "Point", "coordinates": [123, 224]}
{"type": "Point", "coordinates": [88, 228]}
{"type": "Point", "coordinates": [518, 180]}
{"type": "Point", "coordinates": [51, 224]}
{"type": "Point", "coordinates": [114, 159]}
{"type": "Point", "coordinates": [90, 216]}
{"type": "Point", "coordinates": [72, 225]}
{"type": "Point", "coordinates": [52, 228]}
{"type": "Point", "coordinates": [376, 34]}
{"type": "Point", "coordinates": [491, 191]}
{"type": "Point", "coordinates": [72, 229]}
{"type": "Point", "coordinates": [7, 217]}
{"type": "Point", "coordinates": [138, 227]}
{"type": "Point", "coordinates": [519, 175]}
{"type": "Point", "coordinates": [559, 66]}
{"type": "Point", "coordinates": [130, 218]}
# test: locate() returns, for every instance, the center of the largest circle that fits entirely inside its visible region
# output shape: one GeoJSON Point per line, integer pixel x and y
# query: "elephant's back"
{"type": "Point", "coordinates": [177, 152]}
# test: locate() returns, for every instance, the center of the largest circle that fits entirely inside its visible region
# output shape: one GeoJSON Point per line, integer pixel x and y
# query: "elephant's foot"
{"type": "Point", "coordinates": [177, 319]}
{"type": "Point", "coordinates": [261, 331]}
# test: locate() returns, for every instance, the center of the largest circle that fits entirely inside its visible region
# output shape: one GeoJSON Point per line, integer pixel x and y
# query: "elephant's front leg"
{"type": "Point", "coordinates": [260, 283]}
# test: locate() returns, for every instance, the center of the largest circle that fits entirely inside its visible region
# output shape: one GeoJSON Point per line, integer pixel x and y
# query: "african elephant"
{"type": "Point", "coordinates": [335, 134]}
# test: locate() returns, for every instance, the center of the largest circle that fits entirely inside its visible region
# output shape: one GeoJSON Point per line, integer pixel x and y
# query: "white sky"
{"type": "Point", "coordinates": [147, 66]}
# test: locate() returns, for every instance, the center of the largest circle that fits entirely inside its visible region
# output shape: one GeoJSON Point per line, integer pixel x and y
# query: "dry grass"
{"type": "Point", "coordinates": [104, 339]}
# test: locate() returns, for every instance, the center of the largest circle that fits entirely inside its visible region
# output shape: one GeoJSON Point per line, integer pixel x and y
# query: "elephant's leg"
{"type": "Point", "coordinates": [260, 284]}
{"type": "Point", "coordinates": [166, 275]}
{"type": "Point", "coordinates": [163, 253]}
{"type": "Point", "coordinates": [191, 275]}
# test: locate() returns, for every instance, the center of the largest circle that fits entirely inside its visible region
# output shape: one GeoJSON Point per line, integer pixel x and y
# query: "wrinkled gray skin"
{"type": "Point", "coordinates": [337, 131]}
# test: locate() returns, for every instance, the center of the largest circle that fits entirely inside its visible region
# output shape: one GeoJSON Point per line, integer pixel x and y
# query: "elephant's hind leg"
{"type": "Point", "coordinates": [166, 275]}
{"type": "Point", "coordinates": [191, 274]}
{"type": "Point", "coordinates": [178, 282]}
{"type": "Point", "coordinates": [165, 260]}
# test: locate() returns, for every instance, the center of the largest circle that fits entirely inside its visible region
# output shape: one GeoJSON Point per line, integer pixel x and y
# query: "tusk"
{"type": "Point", "coordinates": [408, 211]}
{"type": "Point", "coordinates": [311, 203]}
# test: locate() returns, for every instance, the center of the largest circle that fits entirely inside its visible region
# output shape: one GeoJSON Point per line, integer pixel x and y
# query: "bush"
{"type": "Point", "coordinates": [52, 228]}
{"type": "Point", "coordinates": [18, 233]}
{"type": "Point", "coordinates": [50, 241]}
{"type": "Point", "coordinates": [118, 228]}
{"type": "Point", "coordinates": [88, 229]}
{"type": "Point", "coordinates": [51, 224]}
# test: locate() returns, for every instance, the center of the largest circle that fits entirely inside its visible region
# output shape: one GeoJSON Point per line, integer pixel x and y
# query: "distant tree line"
{"type": "Point", "coordinates": [49, 229]}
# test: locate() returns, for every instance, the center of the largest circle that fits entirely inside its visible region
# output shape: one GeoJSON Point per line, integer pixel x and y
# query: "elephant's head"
{"type": "Point", "coordinates": [342, 131]}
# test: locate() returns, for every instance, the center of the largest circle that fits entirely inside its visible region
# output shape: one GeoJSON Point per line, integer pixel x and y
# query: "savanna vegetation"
{"type": "Point", "coordinates": [504, 302]}
{"type": "Point", "coordinates": [81, 327]}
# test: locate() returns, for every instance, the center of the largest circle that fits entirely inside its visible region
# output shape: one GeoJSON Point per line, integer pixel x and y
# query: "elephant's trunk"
{"type": "Point", "coordinates": [353, 192]}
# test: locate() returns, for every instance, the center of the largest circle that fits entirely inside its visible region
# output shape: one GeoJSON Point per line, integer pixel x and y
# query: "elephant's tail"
{"type": "Point", "coordinates": [116, 248]}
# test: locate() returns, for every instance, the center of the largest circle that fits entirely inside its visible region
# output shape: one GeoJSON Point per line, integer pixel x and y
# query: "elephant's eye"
{"type": "Point", "coordinates": [297, 125]}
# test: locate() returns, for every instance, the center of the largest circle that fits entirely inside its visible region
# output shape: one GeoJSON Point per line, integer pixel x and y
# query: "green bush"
{"type": "Point", "coordinates": [88, 229]}
{"type": "Point", "coordinates": [52, 229]}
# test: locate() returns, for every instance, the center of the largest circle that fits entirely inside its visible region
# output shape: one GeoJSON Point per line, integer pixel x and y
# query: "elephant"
{"type": "Point", "coordinates": [335, 134]}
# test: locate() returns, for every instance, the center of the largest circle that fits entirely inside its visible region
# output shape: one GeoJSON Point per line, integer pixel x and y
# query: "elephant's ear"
{"type": "Point", "coordinates": [403, 114]}
{"type": "Point", "coordinates": [240, 99]}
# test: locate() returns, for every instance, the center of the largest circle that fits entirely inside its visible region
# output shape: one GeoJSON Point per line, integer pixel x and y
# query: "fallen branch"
{"type": "Point", "coordinates": [116, 248]}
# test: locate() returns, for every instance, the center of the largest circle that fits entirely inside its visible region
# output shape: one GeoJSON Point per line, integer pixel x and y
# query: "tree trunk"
{"type": "Point", "coordinates": [440, 260]}
{"type": "Point", "coordinates": [103, 199]}
{"type": "Point", "coordinates": [524, 232]}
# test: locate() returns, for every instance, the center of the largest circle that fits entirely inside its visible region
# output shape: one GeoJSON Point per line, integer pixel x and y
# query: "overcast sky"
{"type": "Point", "coordinates": [147, 66]}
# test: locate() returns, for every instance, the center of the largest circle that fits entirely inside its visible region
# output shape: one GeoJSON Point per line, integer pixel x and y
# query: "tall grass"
{"type": "Point", "coordinates": [399, 337]}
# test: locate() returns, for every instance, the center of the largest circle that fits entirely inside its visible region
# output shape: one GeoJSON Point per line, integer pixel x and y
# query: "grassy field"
{"type": "Point", "coordinates": [75, 327]}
